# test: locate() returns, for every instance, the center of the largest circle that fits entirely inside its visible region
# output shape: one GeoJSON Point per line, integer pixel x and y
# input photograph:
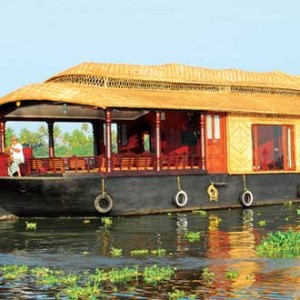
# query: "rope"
{"type": "Point", "coordinates": [244, 183]}
{"type": "Point", "coordinates": [178, 183]}
{"type": "Point", "coordinates": [103, 186]}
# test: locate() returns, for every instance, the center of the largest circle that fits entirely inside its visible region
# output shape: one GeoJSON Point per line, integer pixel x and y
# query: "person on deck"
{"type": "Point", "coordinates": [16, 157]}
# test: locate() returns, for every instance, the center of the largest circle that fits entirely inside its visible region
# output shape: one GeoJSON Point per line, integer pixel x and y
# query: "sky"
{"type": "Point", "coordinates": [40, 38]}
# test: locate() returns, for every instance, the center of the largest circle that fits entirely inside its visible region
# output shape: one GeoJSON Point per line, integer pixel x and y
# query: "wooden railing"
{"type": "Point", "coordinates": [119, 163]}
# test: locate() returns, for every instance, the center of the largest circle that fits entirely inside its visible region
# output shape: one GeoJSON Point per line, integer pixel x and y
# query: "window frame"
{"type": "Point", "coordinates": [287, 145]}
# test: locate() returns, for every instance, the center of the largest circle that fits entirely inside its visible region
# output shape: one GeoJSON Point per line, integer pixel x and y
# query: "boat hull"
{"type": "Point", "coordinates": [59, 196]}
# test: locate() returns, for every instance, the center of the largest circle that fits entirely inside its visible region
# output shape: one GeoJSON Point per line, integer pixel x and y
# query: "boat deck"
{"type": "Point", "coordinates": [119, 163]}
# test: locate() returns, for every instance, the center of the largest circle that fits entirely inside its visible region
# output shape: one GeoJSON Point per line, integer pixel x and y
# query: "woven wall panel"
{"type": "Point", "coordinates": [239, 145]}
{"type": "Point", "coordinates": [240, 140]}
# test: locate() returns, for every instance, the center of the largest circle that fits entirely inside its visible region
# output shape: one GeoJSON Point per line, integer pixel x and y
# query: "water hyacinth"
{"type": "Point", "coordinates": [285, 244]}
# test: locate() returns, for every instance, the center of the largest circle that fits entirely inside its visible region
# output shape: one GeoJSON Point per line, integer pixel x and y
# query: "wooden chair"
{"type": "Point", "coordinates": [56, 165]}
{"type": "Point", "coordinates": [38, 166]}
{"type": "Point", "coordinates": [76, 163]}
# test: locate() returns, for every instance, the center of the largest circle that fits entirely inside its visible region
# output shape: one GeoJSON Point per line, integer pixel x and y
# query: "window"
{"type": "Point", "coordinates": [273, 147]}
{"type": "Point", "coordinates": [213, 127]}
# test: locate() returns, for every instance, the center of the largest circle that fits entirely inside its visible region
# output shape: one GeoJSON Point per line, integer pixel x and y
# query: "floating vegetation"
{"type": "Point", "coordinates": [298, 211]}
{"type": "Point", "coordinates": [262, 223]}
{"type": "Point", "coordinates": [138, 252]}
{"type": "Point", "coordinates": [97, 284]}
{"type": "Point", "coordinates": [202, 213]}
{"type": "Point", "coordinates": [193, 236]}
{"type": "Point", "coordinates": [13, 272]}
{"type": "Point", "coordinates": [30, 225]}
{"type": "Point", "coordinates": [179, 294]}
{"type": "Point", "coordinates": [208, 276]}
{"type": "Point", "coordinates": [159, 252]}
{"type": "Point", "coordinates": [232, 274]}
{"type": "Point", "coordinates": [156, 274]}
{"type": "Point", "coordinates": [284, 244]}
{"type": "Point", "coordinates": [116, 252]}
{"type": "Point", "coordinates": [123, 275]}
{"type": "Point", "coordinates": [106, 221]}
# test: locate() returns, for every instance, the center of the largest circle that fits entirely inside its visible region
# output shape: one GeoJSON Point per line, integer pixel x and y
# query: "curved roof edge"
{"type": "Point", "coordinates": [156, 99]}
{"type": "Point", "coordinates": [183, 74]}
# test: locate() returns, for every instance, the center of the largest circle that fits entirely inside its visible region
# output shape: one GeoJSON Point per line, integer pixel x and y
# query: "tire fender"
{"type": "Point", "coordinates": [103, 203]}
{"type": "Point", "coordinates": [246, 198]}
{"type": "Point", "coordinates": [180, 198]}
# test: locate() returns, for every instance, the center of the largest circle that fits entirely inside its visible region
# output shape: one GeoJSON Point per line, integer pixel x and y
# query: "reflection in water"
{"type": "Point", "coordinates": [227, 244]}
{"type": "Point", "coordinates": [181, 230]}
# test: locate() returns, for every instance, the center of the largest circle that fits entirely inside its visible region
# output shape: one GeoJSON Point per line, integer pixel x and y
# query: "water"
{"type": "Point", "coordinates": [227, 244]}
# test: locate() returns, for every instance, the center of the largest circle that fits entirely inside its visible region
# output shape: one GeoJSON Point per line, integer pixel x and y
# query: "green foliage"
{"type": "Point", "coordinates": [79, 142]}
{"type": "Point", "coordinates": [14, 272]}
{"type": "Point", "coordinates": [9, 132]}
{"type": "Point", "coordinates": [91, 285]}
{"type": "Point", "coordinates": [106, 221]}
{"type": "Point", "coordinates": [123, 275]}
{"type": "Point", "coordinates": [30, 225]}
{"type": "Point", "coordinates": [159, 252]}
{"type": "Point", "coordinates": [116, 251]}
{"type": "Point", "coordinates": [262, 223]}
{"type": "Point", "coordinates": [139, 252]}
{"type": "Point", "coordinates": [284, 244]}
{"type": "Point", "coordinates": [81, 292]}
{"type": "Point", "coordinates": [232, 274]}
{"type": "Point", "coordinates": [207, 275]}
{"type": "Point", "coordinates": [178, 294]}
{"type": "Point", "coordinates": [193, 236]}
{"type": "Point", "coordinates": [202, 213]}
{"type": "Point", "coordinates": [155, 274]}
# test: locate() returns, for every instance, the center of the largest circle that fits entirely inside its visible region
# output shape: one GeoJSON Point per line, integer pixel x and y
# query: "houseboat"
{"type": "Point", "coordinates": [188, 138]}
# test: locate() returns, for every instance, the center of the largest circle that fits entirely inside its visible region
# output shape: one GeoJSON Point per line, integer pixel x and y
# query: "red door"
{"type": "Point", "coordinates": [215, 143]}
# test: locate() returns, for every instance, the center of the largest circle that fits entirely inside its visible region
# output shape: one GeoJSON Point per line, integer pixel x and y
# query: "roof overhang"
{"type": "Point", "coordinates": [120, 98]}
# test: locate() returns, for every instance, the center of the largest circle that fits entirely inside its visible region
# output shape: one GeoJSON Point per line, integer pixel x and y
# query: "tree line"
{"type": "Point", "coordinates": [79, 142]}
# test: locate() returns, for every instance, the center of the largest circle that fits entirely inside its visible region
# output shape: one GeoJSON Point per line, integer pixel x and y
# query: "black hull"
{"type": "Point", "coordinates": [137, 195]}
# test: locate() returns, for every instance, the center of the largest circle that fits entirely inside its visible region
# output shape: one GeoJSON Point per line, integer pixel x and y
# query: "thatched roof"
{"type": "Point", "coordinates": [169, 86]}
{"type": "Point", "coordinates": [183, 73]}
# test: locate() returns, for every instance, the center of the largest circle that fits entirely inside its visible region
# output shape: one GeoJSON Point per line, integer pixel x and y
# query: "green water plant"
{"type": "Point", "coordinates": [116, 252]}
{"type": "Point", "coordinates": [193, 236]}
{"type": "Point", "coordinates": [262, 223]}
{"type": "Point", "coordinates": [159, 252]}
{"type": "Point", "coordinates": [202, 213]}
{"type": "Point", "coordinates": [137, 252]}
{"type": "Point", "coordinates": [123, 275]}
{"type": "Point", "coordinates": [207, 275]}
{"type": "Point", "coordinates": [180, 294]}
{"type": "Point", "coordinates": [81, 292]}
{"type": "Point", "coordinates": [232, 274]}
{"type": "Point", "coordinates": [106, 221]}
{"type": "Point", "coordinates": [14, 272]}
{"type": "Point", "coordinates": [285, 244]}
{"type": "Point", "coordinates": [30, 225]}
{"type": "Point", "coordinates": [156, 274]}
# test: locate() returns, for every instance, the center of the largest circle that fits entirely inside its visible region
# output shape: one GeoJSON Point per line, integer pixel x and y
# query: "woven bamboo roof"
{"type": "Point", "coordinates": [183, 73]}
{"type": "Point", "coordinates": [169, 86]}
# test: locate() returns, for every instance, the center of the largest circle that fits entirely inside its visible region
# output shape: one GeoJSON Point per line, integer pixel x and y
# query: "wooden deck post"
{"type": "Point", "coordinates": [157, 140]}
{"type": "Point", "coordinates": [51, 138]}
{"type": "Point", "coordinates": [2, 135]}
{"type": "Point", "coordinates": [203, 141]}
{"type": "Point", "coordinates": [108, 139]}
